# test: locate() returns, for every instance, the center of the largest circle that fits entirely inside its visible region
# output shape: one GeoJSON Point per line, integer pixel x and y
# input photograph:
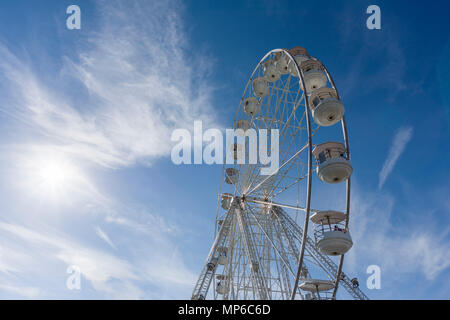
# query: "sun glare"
{"type": "Point", "coordinates": [52, 176]}
{"type": "Point", "coordinates": [55, 174]}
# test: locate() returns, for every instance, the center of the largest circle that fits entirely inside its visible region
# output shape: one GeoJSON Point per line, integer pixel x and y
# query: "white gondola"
{"type": "Point", "coordinates": [281, 62]}
{"type": "Point", "coordinates": [243, 125]}
{"type": "Point", "coordinates": [212, 264]}
{"type": "Point", "coordinates": [223, 255]}
{"type": "Point", "coordinates": [231, 176]}
{"type": "Point", "coordinates": [252, 106]}
{"type": "Point", "coordinates": [332, 238]}
{"type": "Point", "coordinates": [316, 285]}
{"type": "Point", "coordinates": [222, 284]}
{"type": "Point", "coordinates": [317, 289]}
{"type": "Point", "coordinates": [314, 76]}
{"type": "Point", "coordinates": [226, 201]}
{"type": "Point", "coordinates": [270, 70]}
{"type": "Point", "coordinates": [254, 266]}
{"type": "Point", "coordinates": [300, 55]}
{"type": "Point", "coordinates": [326, 107]}
{"type": "Point", "coordinates": [260, 87]}
{"type": "Point", "coordinates": [332, 164]}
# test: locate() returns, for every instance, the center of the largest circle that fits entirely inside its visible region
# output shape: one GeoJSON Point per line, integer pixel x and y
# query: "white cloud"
{"type": "Point", "coordinates": [97, 266]}
{"type": "Point", "coordinates": [115, 103]}
{"type": "Point", "coordinates": [398, 145]}
{"type": "Point", "coordinates": [398, 245]}
{"type": "Point", "coordinates": [152, 263]}
{"type": "Point", "coordinates": [27, 292]}
{"type": "Point", "coordinates": [102, 234]}
{"type": "Point", "coordinates": [131, 84]}
{"type": "Point", "coordinates": [11, 259]}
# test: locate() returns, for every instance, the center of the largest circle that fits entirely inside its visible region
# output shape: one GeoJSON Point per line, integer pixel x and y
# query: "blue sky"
{"type": "Point", "coordinates": [102, 102]}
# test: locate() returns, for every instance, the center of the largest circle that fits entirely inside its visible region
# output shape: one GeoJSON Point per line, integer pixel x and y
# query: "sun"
{"type": "Point", "coordinates": [55, 174]}
{"type": "Point", "coordinates": [52, 175]}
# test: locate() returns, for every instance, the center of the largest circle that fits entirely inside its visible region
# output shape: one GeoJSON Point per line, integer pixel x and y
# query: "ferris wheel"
{"type": "Point", "coordinates": [274, 237]}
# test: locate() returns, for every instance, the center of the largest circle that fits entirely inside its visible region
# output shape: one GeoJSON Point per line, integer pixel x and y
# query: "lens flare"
{"type": "Point", "coordinates": [52, 175]}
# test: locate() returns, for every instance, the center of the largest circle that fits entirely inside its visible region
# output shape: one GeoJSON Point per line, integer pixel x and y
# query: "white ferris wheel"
{"type": "Point", "coordinates": [274, 239]}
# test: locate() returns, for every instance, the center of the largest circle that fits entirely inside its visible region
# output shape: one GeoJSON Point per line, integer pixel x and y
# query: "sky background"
{"type": "Point", "coordinates": [103, 101]}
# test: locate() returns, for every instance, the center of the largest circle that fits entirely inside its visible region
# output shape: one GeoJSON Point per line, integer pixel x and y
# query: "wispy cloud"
{"type": "Point", "coordinates": [389, 74]}
{"type": "Point", "coordinates": [401, 139]}
{"type": "Point", "coordinates": [104, 236]}
{"type": "Point", "coordinates": [407, 239]}
{"type": "Point", "coordinates": [132, 83]}
{"type": "Point", "coordinates": [400, 246]}
{"type": "Point", "coordinates": [28, 292]}
{"type": "Point", "coordinates": [97, 266]}
{"type": "Point", "coordinates": [113, 101]}
{"type": "Point", "coordinates": [154, 263]}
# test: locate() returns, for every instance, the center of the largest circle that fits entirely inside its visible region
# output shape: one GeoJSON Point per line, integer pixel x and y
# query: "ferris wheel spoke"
{"type": "Point", "coordinates": [295, 107]}
{"type": "Point", "coordinates": [283, 137]}
{"type": "Point", "coordinates": [276, 204]}
{"type": "Point", "coordinates": [299, 179]}
{"type": "Point", "coordinates": [286, 152]}
{"type": "Point", "coordinates": [280, 99]}
{"type": "Point", "coordinates": [292, 184]}
{"type": "Point", "coordinates": [283, 174]}
{"type": "Point", "coordinates": [283, 165]}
